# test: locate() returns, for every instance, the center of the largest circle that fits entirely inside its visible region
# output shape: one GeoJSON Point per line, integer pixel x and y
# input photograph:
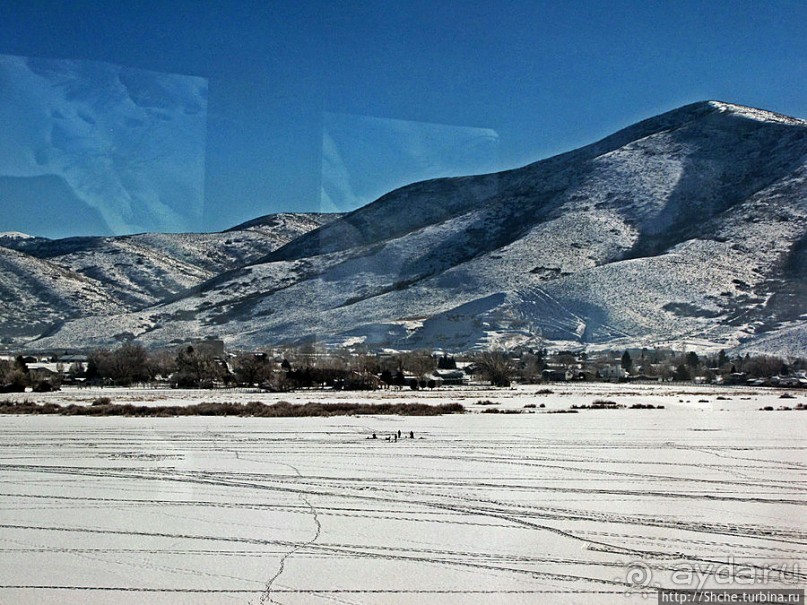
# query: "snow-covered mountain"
{"type": "Point", "coordinates": [686, 227]}
{"type": "Point", "coordinates": [46, 281]}
{"type": "Point", "coordinates": [11, 237]}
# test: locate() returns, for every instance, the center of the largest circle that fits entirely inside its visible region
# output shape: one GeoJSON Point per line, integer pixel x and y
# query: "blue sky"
{"type": "Point", "coordinates": [532, 78]}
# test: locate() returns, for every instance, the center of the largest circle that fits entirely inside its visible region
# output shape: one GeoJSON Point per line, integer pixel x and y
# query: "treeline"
{"type": "Point", "coordinates": [683, 366]}
{"type": "Point", "coordinates": [200, 367]}
{"type": "Point", "coordinates": [539, 365]}
{"type": "Point", "coordinates": [197, 367]}
{"type": "Point", "coordinates": [127, 365]}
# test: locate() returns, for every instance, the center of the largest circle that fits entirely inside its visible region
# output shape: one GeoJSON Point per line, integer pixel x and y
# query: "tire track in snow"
{"type": "Point", "coordinates": [236, 480]}
{"type": "Point", "coordinates": [267, 593]}
{"type": "Point", "coordinates": [233, 480]}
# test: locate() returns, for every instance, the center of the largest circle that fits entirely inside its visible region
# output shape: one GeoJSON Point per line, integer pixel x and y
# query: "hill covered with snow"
{"type": "Point", "coordinates": [686, 227]}
{"type": "Point", "coordinates": [45, 282]}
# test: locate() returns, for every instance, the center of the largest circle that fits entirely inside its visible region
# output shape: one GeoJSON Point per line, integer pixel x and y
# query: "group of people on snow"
{"type": "Point", "coordinates": [394, 436]}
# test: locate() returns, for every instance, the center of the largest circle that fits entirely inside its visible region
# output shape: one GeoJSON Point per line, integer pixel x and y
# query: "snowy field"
{"type": "Point", "coordinates": [595, 507]}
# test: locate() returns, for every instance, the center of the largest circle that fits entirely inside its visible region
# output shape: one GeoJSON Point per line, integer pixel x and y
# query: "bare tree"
{"type": "Point", "coordinates": [197, 369]}
{"type": "Point", "coordinates": [420, 363]}
{"type": "Point", "coordinates": [251, 369]}
{"type": "Point", "coordinates": [495, 366]}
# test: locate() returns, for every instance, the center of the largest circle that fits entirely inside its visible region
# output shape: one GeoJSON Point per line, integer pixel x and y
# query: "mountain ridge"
{"type": "Point", "coordinates": [358, 224]}
{"type": "Point", "coordinates": [679, 228]}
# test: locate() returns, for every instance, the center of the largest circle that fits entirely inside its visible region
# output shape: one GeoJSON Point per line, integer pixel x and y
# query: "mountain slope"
{"type": "Point", "coordinates": [46, 281]}
{"type": "Point", "coordinates": [689, 226]}
{"type": "Point", "coordinates": [36, 293]}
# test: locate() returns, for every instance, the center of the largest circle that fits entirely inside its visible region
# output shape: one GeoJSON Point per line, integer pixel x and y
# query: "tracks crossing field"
{"type": "Point", "coordinates": [596, 507]}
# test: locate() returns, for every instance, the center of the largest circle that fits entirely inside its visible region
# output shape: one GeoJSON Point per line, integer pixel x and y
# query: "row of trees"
{"type": "Point", "coordinates": [190, 367]}
{"type": "Point", "coordinates": [686, 366]}
{"type": "Point", "coordinates": [124, 366]}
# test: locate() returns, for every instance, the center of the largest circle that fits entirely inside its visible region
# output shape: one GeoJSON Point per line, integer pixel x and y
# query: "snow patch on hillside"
{"type": "Point", "coordinates": [757, 114]}
{"type": "Point", "coordinates": [14, 235]}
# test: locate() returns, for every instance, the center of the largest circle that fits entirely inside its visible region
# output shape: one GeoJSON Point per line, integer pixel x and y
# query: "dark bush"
{"type": "Point", "coordinates": [44, 386]}
{"type": "Point", "coordinates": [12, 388]}
{"type": "Point", "coordinates": [281, 409]}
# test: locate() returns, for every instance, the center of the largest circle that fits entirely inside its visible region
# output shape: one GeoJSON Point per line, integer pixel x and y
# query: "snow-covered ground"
{"type": "Point", "coordinates": [477, 508]}
{"type": "Point", "coordinates": [475, 397]}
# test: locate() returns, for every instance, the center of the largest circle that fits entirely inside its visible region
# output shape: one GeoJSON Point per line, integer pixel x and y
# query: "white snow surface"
{"type": "Point", "coordinates": [590, 508]}
{"type": "Point", "coordinates": [13, 235]}
{"type": "Point", "coordinates": [756, 114]}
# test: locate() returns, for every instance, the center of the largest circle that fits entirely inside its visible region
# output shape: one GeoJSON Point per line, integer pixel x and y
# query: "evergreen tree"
{"type": "Point", "coordinates": [627, 362]}
{"type": "Point", "coordinates": [682, 373]}
{"type": "Point", "coordinates": [446, 363]}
